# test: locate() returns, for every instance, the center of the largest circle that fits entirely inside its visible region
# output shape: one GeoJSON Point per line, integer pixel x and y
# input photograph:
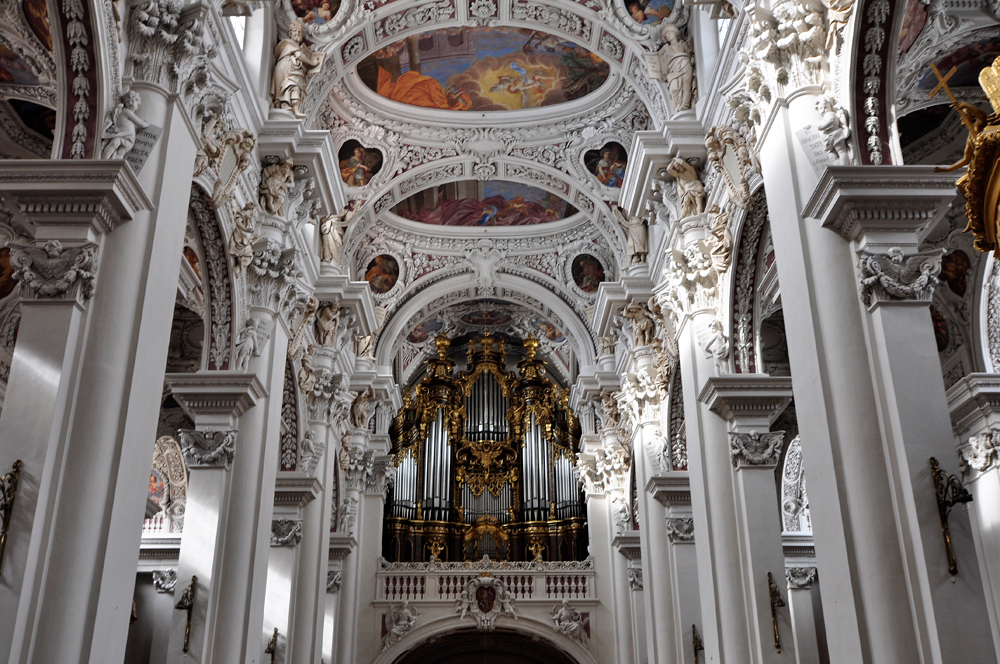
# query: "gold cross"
{"type": "Point", "coordinates": [943, 82]}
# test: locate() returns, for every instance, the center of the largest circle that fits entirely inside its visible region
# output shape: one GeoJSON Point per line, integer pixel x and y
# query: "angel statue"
{"type": "Point", "coordinates": [400, 620]}
{"type": "Point", "coordinates": [636, 235]}
{"type": "Point", "coordinates": [122, 126]}
{"type": "Point", "coordinates": [834, 127]}
{"type": "Point", "coordinates": [895, 275]}
{"type": "Point", "coordinates": [294, 65]}
{"type": "Point", "coordinates": [643, 323]}
{"type": "Point", "coordinates": [242, 239]}
{"type": "Point", "coordinates": [679, 67]}
{"type": "Point", "coordinates": [690, 190]}
{"type": "Point", "coordinates": [567, 621]}
{"type": "Point", "coordinates": [331, 230]}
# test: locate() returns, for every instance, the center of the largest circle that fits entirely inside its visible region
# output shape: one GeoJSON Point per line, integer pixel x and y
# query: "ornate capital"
{"type": "Point", "coordinates": [286, 532]}
{"type": "Point", "coordinates": [800, 578]}
{"type": "Point", "coordinates": [274, 274]}
{"type": "Point", "coordinates": [680, 530]}
{"type": "Point", "coordinates": [54, 272]}
{"type": "Point", "coordinates": [755, 449]}
{"type": "Point", "coordinates": [208, 448]}
{"type": "Point", "coordinates": [165, 580]}
{"type": "Point", "coordinates": [980, 453]}
{"type": "Point", "coordinates": [635, 578]}
{"type": "Point", "coordinates": [383, 476]}
{"type": "Point", "coordinates": [641, 395]}
{"type": "Point", "coordinates": [358, 465]}
{"type": "Point", "coordinates": [169, 45]}
{"type": "Point", "coordinates": [333, 581]}
{"type": "Point", "coordinates": [896, 276]}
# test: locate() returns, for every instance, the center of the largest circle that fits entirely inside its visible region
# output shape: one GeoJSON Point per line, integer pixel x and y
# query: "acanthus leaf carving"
{"type": "Point", "coordinates": [680, 530]}
{"type": "Point", "coordinates": [980, 453]}
{"type": "Point", "coordinates": [286, 532]}
{"type": "Point", "coordinates": [207, 448]}
{"type": "Point", "coordinates": [52, 271]}
{"type": "Point", "coordinates": [755, 449]}
{"type": "Point", "coordinates": [897, 276]}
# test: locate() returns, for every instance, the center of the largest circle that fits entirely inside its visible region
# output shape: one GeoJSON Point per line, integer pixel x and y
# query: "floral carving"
{"type": "Point", "coordinates": [207, 448]}
{"type": "Point", "coordinates": [800, 578]}
{"type": "Point", "coordinates": [896, 275]}
{"type": "Point", "coordinates": [755, 449]}
{"type": "Point", "coordinates": [980, 452]}
{"type": "Point", "coordinates": [52, 271]}
{"type": "Point", "coordinates": [286, 532]}
{"type": "Point", "coordinates": [680, 530]}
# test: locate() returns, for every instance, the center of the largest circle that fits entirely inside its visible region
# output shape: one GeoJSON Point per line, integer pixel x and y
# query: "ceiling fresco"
{"type": "Point", "coordinates": [649, 11]}
{"type": "Point", "coordinates": [608, 164]}
{"type": "Point", "coordinates": [37, 16]}
{"type": "Point", "coordinates": [483, 69]}
{"type": "Point", "coordinates": [914, 21]}
{"type": "Point", "coordinates": [13, 69]}
{"type": "Point", "coordinates": [489, 203]}
{"type": "Point", "coordinates": [969, 60]}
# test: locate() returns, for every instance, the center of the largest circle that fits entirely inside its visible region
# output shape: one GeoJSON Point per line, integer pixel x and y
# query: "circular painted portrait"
{"type": "Point", "coordinates": [358, 164]}
{"type": "Point", "coordinates": [382, 273]}
{"type": "Point", "coordinates": [548, 330]}
{"type": "Point", "coordinates": [587, 272]}
{"type": "Point", "coordinates": [424, 330]}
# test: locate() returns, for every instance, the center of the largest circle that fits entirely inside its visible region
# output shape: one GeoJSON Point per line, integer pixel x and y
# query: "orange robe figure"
{"type": "Point", "coordinates": [416, 89]}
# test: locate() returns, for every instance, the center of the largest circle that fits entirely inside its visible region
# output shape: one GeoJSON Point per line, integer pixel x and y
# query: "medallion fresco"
{"type": "Point", "coordinates": [969, 60]}
{"type": "Point", "coordinates": [13, 69]}
{"type": "Point", "coordinates": [588, 273]}
{"type": "Point", "coordinates": [650, 12]}
{"type": "Point", "coordinates": [382, 273]}
{"type": "Point", "coordinates": [424, 331]}
{"type": "Point", "coordinates": [478, 203]}
{"type": "Point", "coordinates": [358, 164]}
{"type": "Point", "coordinates": [316, 12]}
{"type": "Point", "coordinates": [548, 330]}
{"type": "Point", "coordinates": [607, 164]}
{"type": "Point", "coordinates": [483, 69]}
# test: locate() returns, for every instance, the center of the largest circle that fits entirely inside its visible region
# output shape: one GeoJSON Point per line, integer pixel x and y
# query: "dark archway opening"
{"type": "Point", "coordinates": [472, 647]}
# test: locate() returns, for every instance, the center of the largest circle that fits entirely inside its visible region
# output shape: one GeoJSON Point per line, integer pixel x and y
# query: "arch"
{"type": "Point", "coordinates": [743, 287]}
{"type": "Point", "coordinates": [577, 330]}
{"type": "Point", "coordinates": [795, 519]}
{"type": "Point", "coordinates": [218, 279]}
{"type": "Point", "coordinates": [526, 629]}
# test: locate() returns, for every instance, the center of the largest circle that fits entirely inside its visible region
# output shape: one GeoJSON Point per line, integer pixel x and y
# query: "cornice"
{"type": "Point", "coordinates": [628, 544]}
{"type": "Point", "coordinates": [974, 402]}
{"type": "Point", "coordinates": [296, 490]}
{"type": "Point", "coordinates": [669, 490]}
{"type": "Point", "coordinates": [856, 200]}
{"type": "Point", "coordinates": [219, 394]}
{"type": "Point", "coordinates": [736, 397]}
{"type": "Point", "coordinates": [341, 546]}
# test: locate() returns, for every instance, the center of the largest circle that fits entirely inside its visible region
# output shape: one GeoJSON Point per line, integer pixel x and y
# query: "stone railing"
{"type": "Point", "coordinates": [525, 581]}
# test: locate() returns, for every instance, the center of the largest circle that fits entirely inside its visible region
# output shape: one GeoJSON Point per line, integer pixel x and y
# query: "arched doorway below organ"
{"type": "Point", "coordinates": [498, 647]}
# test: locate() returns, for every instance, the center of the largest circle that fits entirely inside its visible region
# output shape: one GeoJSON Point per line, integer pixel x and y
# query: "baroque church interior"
{"type": "Point", "coordinates": [479, 331]}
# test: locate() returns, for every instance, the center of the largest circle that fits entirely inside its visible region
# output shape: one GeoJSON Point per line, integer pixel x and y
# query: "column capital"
{"type": "Point", "coordinates": [286, 532]}
{"type": "Point", "coordinates": [669, 491]}
{"type": "Point", "coordinates": [71, 200]}
{"type": "Point", "coordinates": [207, 448]}
{"type": "Point", "coordinates": [800, 578]}
{"type": "Point", "coordinates": [747, 401]}
{"type": "Point", "coordinates": [628, 545]}
{"type": "Point", "coordinates": [898, 278]}
{"type": "Point", "coordinates": [215, 398]}
{"type": "Point", "coordinates": [881, 206]}
{"type": "Point", "coordinates": [755, 450]}
{"type": "Point", "coordinates": [52, 272]}
{"type": "Point", "coordinates": [274, 274]}
{"type": "Point", "coordinates": [680, 530]}
{"type": "Point", "coordinates": [296, 490]}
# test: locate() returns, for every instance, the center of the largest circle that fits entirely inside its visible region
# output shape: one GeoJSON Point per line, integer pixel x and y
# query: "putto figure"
{"type": "Point", "coordinates": [294, 65]}
{"type": "Point", "coordinates": [122, 126]}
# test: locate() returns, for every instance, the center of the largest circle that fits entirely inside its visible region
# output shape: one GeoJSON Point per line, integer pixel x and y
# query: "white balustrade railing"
{"type": "Point", "coordinates": [525, 581]}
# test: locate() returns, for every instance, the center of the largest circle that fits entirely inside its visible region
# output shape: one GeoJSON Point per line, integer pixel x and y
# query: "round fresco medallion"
{"type": "Point", "coordinates": [650, 12]}
{"type": "Point", "coordinates": [315, 12]}
{"type": "Point", "coordinates": [587, 272]}
{"type": "Point", "coordinates": [607, 164]}
{"type": "Point", "coordinates": [424, 330]}
{"type": "Point", "coordinates": [358, 164]}
{"type": "Point", "coordinates": [382, 273]}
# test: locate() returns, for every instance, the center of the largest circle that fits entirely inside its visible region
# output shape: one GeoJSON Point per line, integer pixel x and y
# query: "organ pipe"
{"type": "Point", "coordinates": [485, 460]}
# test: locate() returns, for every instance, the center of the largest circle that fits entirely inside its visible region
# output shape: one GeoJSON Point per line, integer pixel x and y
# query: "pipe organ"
{"type": "Point", "coordinates": [485, 462]}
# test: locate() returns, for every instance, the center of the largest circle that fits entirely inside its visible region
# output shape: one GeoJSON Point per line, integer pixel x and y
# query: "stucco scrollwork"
{"type": "Point", "coordinates": [680, 530]}
{"type": "Point", "coordinates": [286, 532]}
{"type": "Point", "coordinates": [485, 598]}
{"type": "Point", "coordinates": [52, 271]}
{"type": "Point", "coordinates": [896, 275]}
{"type": "Point", "coordinates": [755, 449]}
{"type": "Point", "coordinates": [207, 448]}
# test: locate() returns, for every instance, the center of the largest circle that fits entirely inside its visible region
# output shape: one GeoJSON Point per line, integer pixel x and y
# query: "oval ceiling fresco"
{"type": "Point", "coordinates": [483, 69]}
{"type": "Point", "coordinates": [484, 203]}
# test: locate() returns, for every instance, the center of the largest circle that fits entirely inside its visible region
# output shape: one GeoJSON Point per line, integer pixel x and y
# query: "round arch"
{"type": "Point", "coordinates": [577, 330]}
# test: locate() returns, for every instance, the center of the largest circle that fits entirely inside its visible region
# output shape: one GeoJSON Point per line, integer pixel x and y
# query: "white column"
{"type": "Point", "coordinates": [800, 607]}
{"type": "Point", "coordinates": [975, 416]}
{"type": "Point", "coordinates": [750, 403]}
{"type": "Point", "coordinates": [357, 465]}
{"type": "Point", "coordinates": [239, 635]}
{"type": "Point", "coordinates": [896, 282]}
{"type": "Point", "coordinates": [214, 400]}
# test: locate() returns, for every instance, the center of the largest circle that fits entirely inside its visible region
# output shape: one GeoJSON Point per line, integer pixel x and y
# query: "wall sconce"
{"type": "Point", "coordinates": [950, 492]}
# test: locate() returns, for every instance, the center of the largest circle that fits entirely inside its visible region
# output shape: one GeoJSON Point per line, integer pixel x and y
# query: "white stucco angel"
{"type": "Point", "coordinates": [834, 126]}
{"type": "Point", "coordinates": [400, 620]}
{"type": "Point", "coordinates": [294, 65]}
{"type": "Point", "coordinates": [636, 235]}
{"type": "Point", "coordinates": [567, 621]}
{"type": "Point", "coordinates": [122, 126]}
{"type": "Point", "coordinates": [275, 181]}
{"type": "Point", "coordinates": [719, 240]}
{"type": "Point", "coordinates": [690, 190]}
{"type": "Point", "coordinates": [327, 320]}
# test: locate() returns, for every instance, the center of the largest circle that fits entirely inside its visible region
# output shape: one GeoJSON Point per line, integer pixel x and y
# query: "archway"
{"type": "Point", "coordinates": [499, 647]}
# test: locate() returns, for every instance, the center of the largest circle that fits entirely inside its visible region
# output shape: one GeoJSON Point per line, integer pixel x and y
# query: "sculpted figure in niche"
{"type": "Point", "coordinates": [677, 56]}
{"type": "Point", "coordinates": [643, 324]}
{"type": "Point", "coordinates": [241, 242]}
{"type": "Point", "coordinates": [294, 65]}
{"type": "Point", "coordinates": [122, 126]}
{"type": "Point", "coordinates": [364, 346]}
{"type": "Point", "coordinates": [307, 376]}
{"type": "Point", "coordinates": [690, 190]}
{"type": "Point", "coordinates": [636, 236]}
{"type": "Point", "coordinates": [606, 345]}
{"type": "Point", "coordinates": [275, 181]}
{"type": "Point", "coordinates": [331, 229]}
{"type": "Point", "coordinates": [720, 240]}
{"type": "Point", "coordinates": [327, 320]}
{"type": "Point", "coordinates": [363, 408]}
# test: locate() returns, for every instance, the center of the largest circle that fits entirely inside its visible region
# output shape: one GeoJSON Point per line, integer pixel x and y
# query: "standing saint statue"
{"type": "Point", "coordinates": [331, 230]}
{"type": "Point", "coordinates": [275, 180]}
{"type": "Point", "coordinates": [690, 190]}
{"type": "Point", "coordinates": [678, 56]}
{"type": "Point", "coordinates": [294, 65]}
{"type": "Point", "coordinates": [636, 236]}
